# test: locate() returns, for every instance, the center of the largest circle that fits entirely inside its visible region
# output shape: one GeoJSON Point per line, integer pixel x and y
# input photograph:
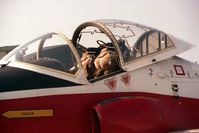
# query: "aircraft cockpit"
{"type": "Point", "coordinates": [99, 48]}
{"type": "Point", "coordinates": [126, 42]}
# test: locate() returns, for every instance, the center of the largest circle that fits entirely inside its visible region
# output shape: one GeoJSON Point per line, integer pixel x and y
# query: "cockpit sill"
{"type": "Point", "coordinates": [78, 78]}
{"type": "Point", "coordinates": [4, 63]}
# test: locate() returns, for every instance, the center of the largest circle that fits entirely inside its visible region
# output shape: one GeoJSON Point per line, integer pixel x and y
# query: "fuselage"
{"type": "Point", "coordinates": [175, 88]}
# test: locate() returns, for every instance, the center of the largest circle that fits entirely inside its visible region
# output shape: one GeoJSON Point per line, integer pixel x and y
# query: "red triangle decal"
{"type": "Point", "coordinates": [126, 79]}
{"type": "Point", "coordinates": [111, 83]}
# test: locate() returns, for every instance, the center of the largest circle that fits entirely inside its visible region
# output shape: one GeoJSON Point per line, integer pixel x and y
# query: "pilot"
{"type": "Point", "coordinates": [87, 61]}
{"type": "Point", "coordinates": [105, 62]}
{"type": "Point", "coordinates": [101, 62]}
{"type": "Point", "coordinates": [97, 65]}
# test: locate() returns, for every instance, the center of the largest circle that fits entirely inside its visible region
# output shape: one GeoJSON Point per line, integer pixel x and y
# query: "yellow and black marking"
{"type": "Point", "coordinates": [28, 113]}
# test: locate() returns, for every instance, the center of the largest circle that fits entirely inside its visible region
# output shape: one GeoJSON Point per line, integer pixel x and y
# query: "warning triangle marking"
{"type": "Point", "coordinates": [126, 79]}
{"type": "Point", "coordinates": [111, 83]}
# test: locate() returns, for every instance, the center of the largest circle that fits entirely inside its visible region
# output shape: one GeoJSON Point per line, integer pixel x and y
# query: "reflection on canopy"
{"type": "Point", "coordinates": [137, 40]}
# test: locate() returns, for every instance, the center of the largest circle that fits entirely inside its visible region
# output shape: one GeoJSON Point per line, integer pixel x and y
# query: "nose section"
{"type": "Point", "coordinates": [12, 79]}
{"type": "Point", "coordinates": [16, 79]}
{"type": "Point", "coordinates": [4, 76]}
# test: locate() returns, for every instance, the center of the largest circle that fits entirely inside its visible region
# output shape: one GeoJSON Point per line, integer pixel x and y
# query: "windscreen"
{"type": "Point", "coordinates": [50, 50]}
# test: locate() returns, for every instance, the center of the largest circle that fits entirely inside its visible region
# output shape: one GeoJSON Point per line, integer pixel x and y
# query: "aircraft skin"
{"type": "Point", "coordinates": [151, 93]}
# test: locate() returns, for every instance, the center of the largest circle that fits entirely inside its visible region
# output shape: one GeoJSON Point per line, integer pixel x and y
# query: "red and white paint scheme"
{"type": "Point", "coordinates": [147, 88]}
